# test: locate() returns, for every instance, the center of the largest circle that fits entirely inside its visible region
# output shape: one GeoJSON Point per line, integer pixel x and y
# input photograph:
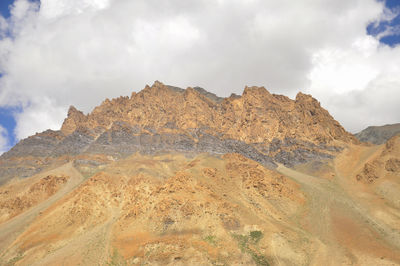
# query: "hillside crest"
{"type": "Point", "coordinates": [256, 116]}
{"type": "Point", "coordinates": [261, 126]}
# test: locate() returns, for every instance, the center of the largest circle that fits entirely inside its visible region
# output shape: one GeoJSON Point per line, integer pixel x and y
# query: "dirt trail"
{"type": "Point", "coordinates": [10, 230]}
{"type": "Point", "coordinates": [327, 203]}
{"type": "Point", "coordinates": [320, 195]}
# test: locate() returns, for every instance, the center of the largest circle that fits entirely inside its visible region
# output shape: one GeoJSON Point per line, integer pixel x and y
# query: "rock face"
{"type": "Point", "coordinates": [378, 134]}
{"type": "Point", "coordinates": [15, 199]}
{"type": "Point", "coordinates": [255, 117]}
{"type": "Point", "coordinates": [384, 165]}
{"type": "Point", "coordinates": [265, 127]}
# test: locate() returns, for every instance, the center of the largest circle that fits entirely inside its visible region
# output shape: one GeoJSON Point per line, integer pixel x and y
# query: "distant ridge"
{"type": "Point", "coordinates": [378, 134]}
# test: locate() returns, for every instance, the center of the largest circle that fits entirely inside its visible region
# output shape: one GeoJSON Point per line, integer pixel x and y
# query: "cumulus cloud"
{"type": "Point", "coordinates": [41, 114]}
{"type": "Point", "coordinates": [359, 84]}
{"type": "Point", "coordinates": [67, 52]}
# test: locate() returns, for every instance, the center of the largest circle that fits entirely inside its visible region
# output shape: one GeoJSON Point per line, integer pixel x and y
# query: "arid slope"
{"type": "Point", "coordinates": [177, 210]}
{"type": "Point", "coordinates": [182, 177]}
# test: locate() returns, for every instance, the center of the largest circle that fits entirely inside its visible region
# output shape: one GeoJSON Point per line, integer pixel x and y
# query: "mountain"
{"type": "Point", "coordinates": [265, 127]}
{"type": "Point", "coordinates": [378, 134]}
{"type": "Point", "coordinates": [172, 176]}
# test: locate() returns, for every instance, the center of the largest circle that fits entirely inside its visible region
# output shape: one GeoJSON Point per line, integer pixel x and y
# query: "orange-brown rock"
{"type": "Point", "coordinates": [140, 211]}
{"type": "Point", "coordinates": [175, 209]}
{"type": "Point", "coordinates": [182, 177]}
{"type": "Point", "coordinates": [392, 165]}
{"type": "Point", "coordinates": [76, 118]}
{"type": "Point", "coordinates": [265, 127]}
{"type": "Point", "coordinates": [385, 163]}
{"type": "Point", "coordinates": [16, 198]}
{"type": "Point", "coordinates": [255, 117]}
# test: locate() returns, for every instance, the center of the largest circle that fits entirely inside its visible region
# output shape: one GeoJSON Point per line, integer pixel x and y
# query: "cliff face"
{"type": "Point", "coordinates": [255, 117]}
{"type": "Point", "coordinates": [265, 127]}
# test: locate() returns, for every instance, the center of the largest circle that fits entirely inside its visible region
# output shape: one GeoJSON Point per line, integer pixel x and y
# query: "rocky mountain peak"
{"type": "Point", "coordinates": [256, 116]}
{"type": "Point", "coordinates": [255, 91]}
{"type": "Point", "coordinates": [74, 118]}
{"type": "Point", "coordinates": [303, 97]}
{"type": "Point", "coordinates": [265, 127]}
{"type": "Point", "coordinates": [72, 111]}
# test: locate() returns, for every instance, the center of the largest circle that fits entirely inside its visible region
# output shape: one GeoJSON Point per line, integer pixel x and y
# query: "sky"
{"type": "Point", "coordinates": [57, 53]}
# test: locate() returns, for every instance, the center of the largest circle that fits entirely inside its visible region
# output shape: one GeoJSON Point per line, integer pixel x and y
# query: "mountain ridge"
{"type": "Point", "coordinates": [252, 96]}
{"type": "Point", "coordinates": [265, 127]}
{"type": "Point", "coordinates": [378, 134]}
{"type": "Point", "coordinates": [183, 177]}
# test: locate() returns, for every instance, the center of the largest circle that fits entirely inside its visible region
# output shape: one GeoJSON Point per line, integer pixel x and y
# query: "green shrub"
{"type": "Point", "coordinates": [256, 236]}
{"type": "Point", "coordinates": [242, 241]}
{"type": "Point", "coordinates": [211, 239]}
{"type": "Point", "coordinates": [259, 259]}
{"type": "Point", "coordinates": [248, 244]}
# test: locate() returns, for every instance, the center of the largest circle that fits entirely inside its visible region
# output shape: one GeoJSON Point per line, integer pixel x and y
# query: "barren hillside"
{"type": "Point", "coordinates": [183, 177]}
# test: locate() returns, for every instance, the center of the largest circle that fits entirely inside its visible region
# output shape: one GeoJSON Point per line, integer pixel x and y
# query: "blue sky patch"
{"type": "Point", "coordinates": [393, 38]}
{"type": "Point", "coordinates": [4, 7]}
{"type": "Point", "coordinates": [8, 122]}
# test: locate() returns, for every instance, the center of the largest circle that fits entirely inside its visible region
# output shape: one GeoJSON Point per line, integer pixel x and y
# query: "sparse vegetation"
{"type": "Point", "coordinates": [242, 241]}
{"type": "Point", "coordinates": [88, 173]}
{"type": "Point", "coordinates": [256, 236]}
{"type": "Point", "coordinates": [259, 259]}
{"type": "Point", "coordinates": [247, 244]}
{"type": "Point", "coordinates": [211, 240]}
{"type": "Point", "coordinates": [116, 259]}
{"type": "Point", "coordinates": [15, 259]}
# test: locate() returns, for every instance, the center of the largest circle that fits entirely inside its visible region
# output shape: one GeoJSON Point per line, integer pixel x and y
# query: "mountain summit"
{"type": "Point", "coordinates": [265, 127]}
{"type": "Point", "coordinates": [255, 117]}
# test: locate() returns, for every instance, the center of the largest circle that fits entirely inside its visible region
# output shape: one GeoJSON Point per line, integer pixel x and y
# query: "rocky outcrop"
{"type": "Point", "coordinates": [393, 165]}
{"type": "Point", "coordinates": [265, 127]}
{"type": "Point", "coordinates": [75, 118]}
{"type": "Point", "coordinates": [385, 164]}
{"type": "Point", "coordinates": [38, 145]}
{"type": "Point", "coordinates": [16, 199]}
{"type": "Point", "coordinates": [256, 116]}
{"type": "Point", "coordinates": [378, 134]}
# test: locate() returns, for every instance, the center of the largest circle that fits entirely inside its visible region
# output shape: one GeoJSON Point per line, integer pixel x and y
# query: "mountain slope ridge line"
{"type": "Point", "coordinates": [262, 126]}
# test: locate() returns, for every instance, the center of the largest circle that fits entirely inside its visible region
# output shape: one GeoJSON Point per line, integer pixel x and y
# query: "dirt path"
{"type": "Point", "coordinates": [10, 230]}
{"type": "Point", "coordinates": [326, 201]}
{"type": "Point", "coordinates": [320, 196]}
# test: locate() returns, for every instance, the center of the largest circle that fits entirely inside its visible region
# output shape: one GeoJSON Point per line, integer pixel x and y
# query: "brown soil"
{"type": "Point", "coordinates": [208, 210]}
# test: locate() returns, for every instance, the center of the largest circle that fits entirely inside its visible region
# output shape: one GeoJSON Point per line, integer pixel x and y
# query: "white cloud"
{"type": "Point", "coordinates": [360, 84]}
{"type": "Point", "coordinates": [80, 52]}
{"type": "Point", "coordinates": [56, 8]}
{"type": "Point", "coordinates": [3, 140]}
{"type": "Point", "coordinates": [40, 115]}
